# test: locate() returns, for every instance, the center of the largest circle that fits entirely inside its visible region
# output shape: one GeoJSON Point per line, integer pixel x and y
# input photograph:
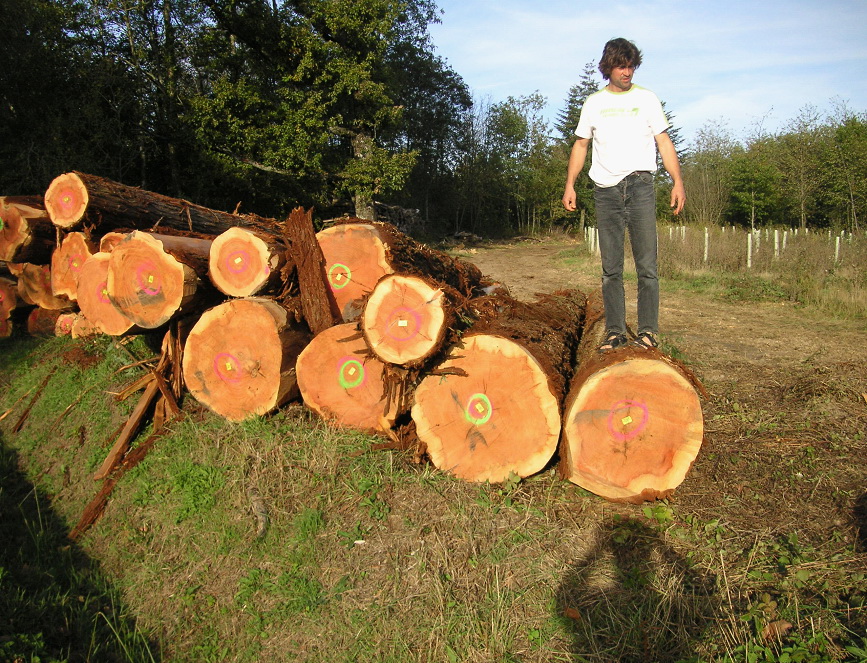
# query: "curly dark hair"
{"type": "Point", "coordinates": [618, 52]}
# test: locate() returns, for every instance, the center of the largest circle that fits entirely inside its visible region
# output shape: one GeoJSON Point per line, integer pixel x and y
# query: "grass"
{"type": "Point", "coordinates": [366, 555]}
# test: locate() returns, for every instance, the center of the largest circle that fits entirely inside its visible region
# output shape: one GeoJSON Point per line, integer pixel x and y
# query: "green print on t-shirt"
{"type": "Point", "coordinates": [619, 112]}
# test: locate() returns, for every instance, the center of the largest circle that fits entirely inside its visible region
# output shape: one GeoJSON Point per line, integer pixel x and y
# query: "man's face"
{"type": "Point", "coordinates": [621, 78]}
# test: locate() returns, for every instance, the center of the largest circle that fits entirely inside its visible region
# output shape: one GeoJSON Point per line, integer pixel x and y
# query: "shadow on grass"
{"type": "Point", "coordinates": [631, 597]}
{"type": "Point", "coordinates": [860, 515]}
{"type": "Point", "coordinates": [54, 602]}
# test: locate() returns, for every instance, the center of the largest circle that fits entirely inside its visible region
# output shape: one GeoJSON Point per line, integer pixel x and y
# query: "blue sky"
{"type": "Point", "coordinates": [730, 62]}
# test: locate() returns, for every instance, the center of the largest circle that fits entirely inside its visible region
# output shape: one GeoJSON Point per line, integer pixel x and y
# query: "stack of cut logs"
{"type": "Point", "coordinates": [374, 330]}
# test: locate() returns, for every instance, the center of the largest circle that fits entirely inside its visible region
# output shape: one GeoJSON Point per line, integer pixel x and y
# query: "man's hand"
{"type": "Point", "coordinates": [569, 198]}
{"type": "Point", "coordinates": [576, 163]}
{"type": "Point", "coordinates": [678, 197]}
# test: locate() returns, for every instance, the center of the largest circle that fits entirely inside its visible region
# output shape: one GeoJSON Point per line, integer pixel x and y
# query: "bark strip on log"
{"type": "Point", "coordinates": [26, 232]}
{"type": "Point", "coordinates": [244, 263]}
{"type": "Point", "coordinates": [492, 408]}
{"type": "Point", "coordinates": [75, 197]}
{"type": "Point", "coordinates": [343, 383]}
{"type": "Point", "coordinates": [358, 254]}
{"type": "Point", "coordinates": [66, 263]}
{"type": "Point", "coordinates": [632, 423]}
{"type": "Point", "coordinates": [146, 283]}
{"type": "Point", "coordinates": [405, 319]}
{"type": "Point", "coordinates": [240, 356]}
{"type": "Point", "coordinates": [319, 310]}
{"type": "Point", "coordinates": [93, 298]}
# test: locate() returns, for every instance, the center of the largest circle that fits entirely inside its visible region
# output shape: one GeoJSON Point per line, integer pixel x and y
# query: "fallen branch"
{"type": "Point", "coordinates": [26, 413]}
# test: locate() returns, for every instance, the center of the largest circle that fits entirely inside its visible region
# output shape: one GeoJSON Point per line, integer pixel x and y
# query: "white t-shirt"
{"type": "Point", "coordinates": [622, 127]}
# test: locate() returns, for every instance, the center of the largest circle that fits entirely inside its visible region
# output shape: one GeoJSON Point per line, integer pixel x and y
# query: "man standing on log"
{"type": "Point", "coordinates": [627, 125]}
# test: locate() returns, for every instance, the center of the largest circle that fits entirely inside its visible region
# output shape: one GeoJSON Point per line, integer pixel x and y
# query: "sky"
{"type": "Point", "coordinates": [740, 65]}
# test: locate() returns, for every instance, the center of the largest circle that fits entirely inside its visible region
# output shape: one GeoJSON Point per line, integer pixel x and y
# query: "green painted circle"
{"type": "Point", "coordinates": [335, 266]}
{"type": "Point", "coordinates": [350, 384]}
{"type": "Point", "coordinates": [481, 405]}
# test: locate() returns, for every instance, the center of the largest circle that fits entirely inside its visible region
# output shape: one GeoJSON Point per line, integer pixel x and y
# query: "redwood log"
{"type": "Point", "coordinates": [244, 263]}
{"type": "Point", "coordinates": [75, 197]}
{"type": "Point", "coordinates": [406, 319]}
{"type": "Point", "coordinates": [358, 254]}
{"type": "Point", "coordinates": [82, 327]}
{"type": "Point", "coordinates": [26, 232]}
{"type": "Point", "coordinates": [66, 263]}
{"type": "Point", "coordinates": [343, 383]}
{"type": "Point", "coordinates": [93, 298]}
{"type": "Point", "coordinates": [111, 239]}
{"type": "Point", "coordinates": [49, 322]}
{"type": "Point", "coordinates": [240, 357]}
{"type": "Point", "coordinates": [8, 303]}
{"type": "Point", "coordinates": [492, 408]}
{"type": "Point", "coordinates": [150, 282]}
{"type": "Point", "coordinates": [632, 423]}
{"type": "Point", "coordinates": [34, 287]}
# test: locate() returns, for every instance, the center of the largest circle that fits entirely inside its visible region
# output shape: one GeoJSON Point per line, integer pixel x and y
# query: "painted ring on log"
{"type": "Point", "coordinates": [226, 367]}
{"type": "Point", "coordinates": [146, 280]}
{"type": "Point", "coordinates": [625, 420]}
{"type": "Point", "coordinates": [400, 320]}
{"type": "Point", "coordinates": [102, 293]}
{"type": "Point", "coordinates": [339, 276]}
{"type": "Point", "coordinates": [479, 409]}
{"type": "Point", "coordinates": [68, 200]}
{"type": "Point", "coordinates": [350, 372]}
{"type": "Point", "coordinates": [75, 262]}
{"type": "Point", "coordinates": [238, 262]}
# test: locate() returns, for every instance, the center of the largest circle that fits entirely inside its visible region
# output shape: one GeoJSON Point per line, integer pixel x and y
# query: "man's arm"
{"type": "Point", "coordinates": [672, 166]}
{"type": "Point", "coordinates": [576, 164]}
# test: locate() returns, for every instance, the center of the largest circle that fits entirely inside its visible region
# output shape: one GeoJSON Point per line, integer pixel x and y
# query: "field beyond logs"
{"type": "Point", "coordinates": [281, 539]}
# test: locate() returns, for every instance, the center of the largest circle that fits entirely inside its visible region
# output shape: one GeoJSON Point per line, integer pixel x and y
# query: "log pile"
{"type": "Point", "coordinates": [373, 330]}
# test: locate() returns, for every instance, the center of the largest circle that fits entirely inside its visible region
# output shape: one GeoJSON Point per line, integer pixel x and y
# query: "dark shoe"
{"type": "Point", "coordinates": [613, 341]}
{"type": "Point", "coordinates": [646, 341]}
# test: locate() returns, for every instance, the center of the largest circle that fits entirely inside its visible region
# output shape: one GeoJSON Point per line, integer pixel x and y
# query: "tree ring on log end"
{"type": "Point", "coordinates": [342, 383]}
{"type": "Point", "coordinates": [404, 319]}
{"type": "Point", "coordinates": [355, 259]}
{"type": "Point", "coordinates": [488, 411]}
{"type": "Point", "coordinates": [632, 431]}
{"type": "Point", "coordinates": [66, 200]}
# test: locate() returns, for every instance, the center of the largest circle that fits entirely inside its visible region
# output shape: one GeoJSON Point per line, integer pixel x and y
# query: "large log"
{"type": "Point", "coordinates": [66, 263]}
{"type": "Point", "coordinates": [34, 287]}
{"type": "Point", "coordinates": [632, 423]}
{"type": "Point", "coordinates": [154, 278]}
{"type": "Point", "coordinates": [26, 232]}
{"type": "Point", "coordinates": [343, 383]}
{"type": "Point", "coordinates": [93, 298]}
{"type": "Point", "coordinates": [406, 319]}
{"type": "Point", "coordinates": [48, 322]}
{"type": "Point", "coordinates": [492, 408]}
{"type": "Point", "coordinates": [358, 254]}
{"type": "Point", "coordinates": [240, 356]}
{"type": "Point", "coordinates": [75, 198]}
{"type": "Point", "coordinates": [244, 263]}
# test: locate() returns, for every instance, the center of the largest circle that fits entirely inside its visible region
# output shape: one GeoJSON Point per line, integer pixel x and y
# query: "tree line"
{"type": "Point", "coordinates": [339, 104]}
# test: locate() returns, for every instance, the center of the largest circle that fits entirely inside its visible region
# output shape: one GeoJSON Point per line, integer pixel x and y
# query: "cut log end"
{"type": "Point", "coordinates": [93, 297]}
{"type": "Point", "coordinates": [239, 358]}
{"type": "Point", "coordinates": [404, 320]}
{"type": "Point", "coordinates": [631, 431]}
{"type": "Point", "coordinates": [147, 284]}
{"type": "Point", "coordinates": [488, 412]}
{"type": "Point", "coordinates": [241, 263]}
{"type": "Point", "coordinates": [341, 383]}
{"type": "Point", "coordinates": [355, 259]}
{"type": "Point", "coordinates": [66, 200]}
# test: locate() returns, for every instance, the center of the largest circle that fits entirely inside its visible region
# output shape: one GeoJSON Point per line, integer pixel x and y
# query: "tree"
{"type": "Point", "coordinates": [567, 118]}
{"type": "Point", "coordinates": [798, 153]}
{"type": "Point", "coordinates": [706, 173]}
{"type": "Point", "coordinates": [847, 168]}
{"type": "Point", "coordinates": [754, 187]}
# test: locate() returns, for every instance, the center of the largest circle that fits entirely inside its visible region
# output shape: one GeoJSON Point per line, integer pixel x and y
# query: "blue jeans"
{"type": "Point", "coordinates": [629, 204]}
